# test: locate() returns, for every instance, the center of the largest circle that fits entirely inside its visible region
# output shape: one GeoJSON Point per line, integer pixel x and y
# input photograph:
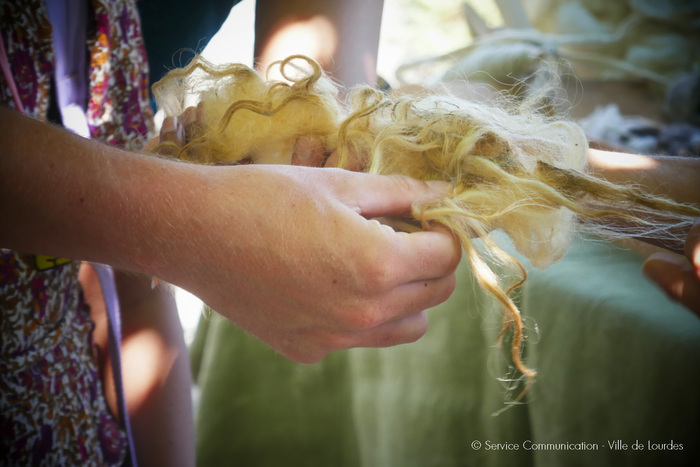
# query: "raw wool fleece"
{"type": "Point", "coordinates": [512, 167]}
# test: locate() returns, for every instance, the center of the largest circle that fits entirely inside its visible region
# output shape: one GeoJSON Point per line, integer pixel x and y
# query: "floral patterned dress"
{"type": "Point", "coordinates": [52, 405]}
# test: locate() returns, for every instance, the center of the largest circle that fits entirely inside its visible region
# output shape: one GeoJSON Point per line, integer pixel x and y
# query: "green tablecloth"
{"type": "Point", "coordinates": [615, 359]}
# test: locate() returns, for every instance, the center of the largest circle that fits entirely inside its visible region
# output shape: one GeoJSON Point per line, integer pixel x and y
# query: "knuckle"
{"type": "Point", "coordinates": [449, 288]}
{"type": "Point", "coordinates": [369, 319]}
{"type": "Point", "coordinates": [403, 182]}
{"type": "Point", "coordinates": [363, 319]}
{"type": "Point", "coordinates": [379, 274]}
{"type": "Point", "coordinates": [396, 335]}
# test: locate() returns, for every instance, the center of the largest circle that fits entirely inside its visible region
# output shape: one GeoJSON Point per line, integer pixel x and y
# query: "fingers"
{"type": "Point", "coordinates": [308, 151]}
{"type": "Point", "coordinates": [390, 195]}
{"type": "Point", "coordinates": [397, 258]}
{"type": "Point", "coordinates": [355, 162]}
{"type": "Point", "coordinates": [339, 280]}
{"type": "Point", "coordinates": [676, 277]}
{"type": "Point", "coordinates": [393, 260]}
{"type": "Point", "coordinates": [430, 254]}
{"type": "Point", "coordinates": [178, 131]}
{"type": "Point", "coordinates": [313, 345]}
{"type": "Point", "coordinates": [193, 122]}
{"type": "Point", "coordinates": [366, 330]}
{"type": "Point", "coordinates": [170, 139]}
{"type": "Point", "coordinates": [692, 247]}
{"type": "Point", "coordinates": [423, 294]}
{"type": "Point", "coordinates": [172, 131]}
{"type": "Point", "coordinates": [401, 302]}
{"type": "Point", "coordinates": [387, 311]}
{"type": "Point", "coordinates": [401, 331]}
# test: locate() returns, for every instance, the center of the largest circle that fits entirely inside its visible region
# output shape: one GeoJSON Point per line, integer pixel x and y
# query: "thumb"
{"type": "Point", "coordinates": [390, 195]}
{"type": "Point", "coordinates": [692, 248]}
{"type": "Point", "coordinates": [676, 278]}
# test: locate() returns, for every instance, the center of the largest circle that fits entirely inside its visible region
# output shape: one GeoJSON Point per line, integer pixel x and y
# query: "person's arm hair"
{"type": "Point", "coordinates": [288, 253]}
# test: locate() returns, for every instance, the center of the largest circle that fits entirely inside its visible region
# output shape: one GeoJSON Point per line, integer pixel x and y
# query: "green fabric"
{"type": "Point", "coordinates": [615, 359]}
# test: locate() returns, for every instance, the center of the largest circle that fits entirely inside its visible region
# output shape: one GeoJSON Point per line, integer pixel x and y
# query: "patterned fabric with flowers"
{"type": "Point", "coordinates": [52, 405]}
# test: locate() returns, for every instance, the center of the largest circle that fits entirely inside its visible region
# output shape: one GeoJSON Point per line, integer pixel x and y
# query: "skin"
{"type": "Point", "coordinates": [342, 36]}
{"type": "Point", "coordinates": [155, 366]}
{"type": "Point", "coordinates": [675, 177]}
{"type": "Point", "coordinates": [678, 275]}
{"type": "Point", "coordinates": [288, 253]}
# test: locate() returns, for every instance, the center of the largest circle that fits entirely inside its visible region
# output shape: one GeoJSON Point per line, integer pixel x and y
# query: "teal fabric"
{"type": "Point", "coordinates": [615, 359]}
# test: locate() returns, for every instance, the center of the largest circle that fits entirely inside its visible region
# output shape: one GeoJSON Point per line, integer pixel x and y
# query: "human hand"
{"type": "Point", "coordinates": [362, 306]}
{"type": "Point", "coordinates": [175, 132]}
{"type": "Point", "coordinates": [290, 255]}
{"type": "Point", "coordinates": [308, 151]}
{"type": "Point", "coordinates": [677, 275]}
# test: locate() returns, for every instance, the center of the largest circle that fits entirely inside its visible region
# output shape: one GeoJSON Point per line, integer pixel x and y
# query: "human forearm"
{"type": "Point", "coordinates": [288, 253]}
{"type": "Point", "coordinates": [154, 363]}
{"type": "Point", "coordinates": [156, 371]}
{"type": "Point", "coordinates": [71, 197]}
{"type": "Point", "coordinates": [342, 36]}
{"type": "Point", "coordinates": [674, 177]}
